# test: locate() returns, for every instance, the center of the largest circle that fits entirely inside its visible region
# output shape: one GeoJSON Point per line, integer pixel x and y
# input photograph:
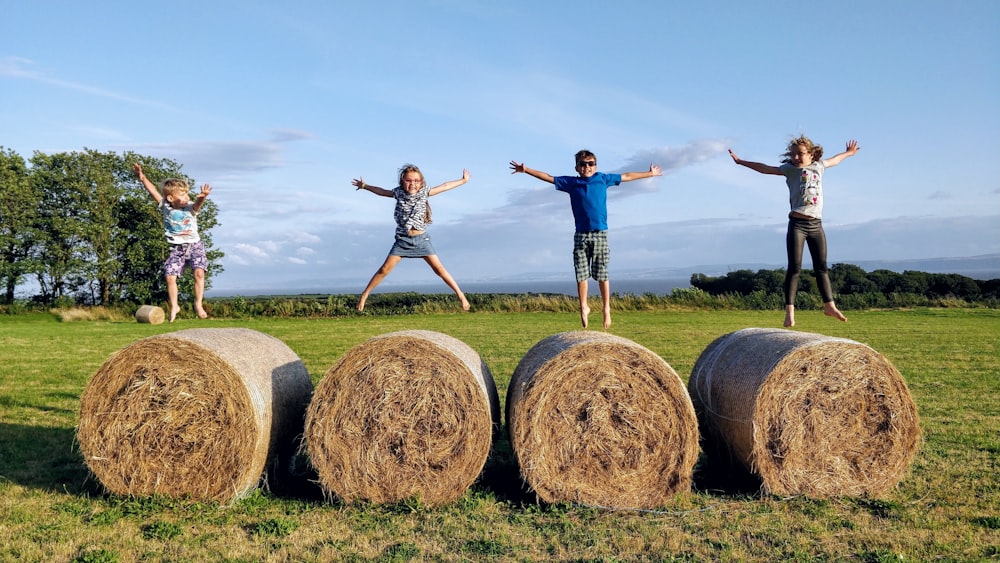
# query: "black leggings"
{"type": "Point", "coordinates": [808, 231]}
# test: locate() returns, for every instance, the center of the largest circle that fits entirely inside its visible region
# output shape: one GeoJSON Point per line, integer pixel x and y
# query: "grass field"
{"type": "Point", "coordinates": [946, 509]}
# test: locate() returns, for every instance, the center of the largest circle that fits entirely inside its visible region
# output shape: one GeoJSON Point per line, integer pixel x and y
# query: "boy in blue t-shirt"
{"type": "Point", "coordinates": [588, 196]}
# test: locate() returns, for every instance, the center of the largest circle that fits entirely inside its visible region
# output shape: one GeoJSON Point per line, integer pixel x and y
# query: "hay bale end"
{"type": "Point", "coordinates": [805, 413]}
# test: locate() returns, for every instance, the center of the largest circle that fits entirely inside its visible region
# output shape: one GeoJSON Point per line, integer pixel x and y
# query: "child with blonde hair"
{"type": "Point", "coordinates": [412, 214]}
{"type": "Point", "coordinates": [803, 165]}
{"type": "Point", "coordinates": [180, 225]}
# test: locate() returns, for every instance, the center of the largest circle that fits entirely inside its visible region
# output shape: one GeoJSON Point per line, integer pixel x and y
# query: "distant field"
{"type": "Point", "coordinates": [948, 508]}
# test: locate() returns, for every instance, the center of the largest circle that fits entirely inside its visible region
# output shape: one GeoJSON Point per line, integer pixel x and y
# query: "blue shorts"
{"type": "Point", "coordinates": [412, 247]}
{"type": "Point", "coordinates": [191, 254]}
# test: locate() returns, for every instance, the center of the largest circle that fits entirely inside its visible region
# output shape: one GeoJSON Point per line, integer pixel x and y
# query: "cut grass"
{"type": "Point", "coordinates": [947, 508]}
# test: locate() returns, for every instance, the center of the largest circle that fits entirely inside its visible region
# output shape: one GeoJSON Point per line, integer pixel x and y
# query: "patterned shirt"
{"type": "Point", "coordinates": [410, 210]}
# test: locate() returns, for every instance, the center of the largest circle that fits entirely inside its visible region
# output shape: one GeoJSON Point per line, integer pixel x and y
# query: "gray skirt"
{"type": "Point", "coordinates": [412, 247]}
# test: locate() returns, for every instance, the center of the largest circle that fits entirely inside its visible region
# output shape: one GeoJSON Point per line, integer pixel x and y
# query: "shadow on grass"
{"type": "Point", "coordinates": [43, 458]}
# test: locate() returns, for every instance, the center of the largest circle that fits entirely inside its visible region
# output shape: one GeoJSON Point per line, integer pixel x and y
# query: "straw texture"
{"type": "Point", "coordinates": [806, 413]}
{"type": "Point", "coordinates": [600, 420]}
{"type": "Point", "coordinates": [195, 413]}
{"type": "Point", "coordinates": [149, 314]}
{"type": "Point", "coordinates": [408, 414]}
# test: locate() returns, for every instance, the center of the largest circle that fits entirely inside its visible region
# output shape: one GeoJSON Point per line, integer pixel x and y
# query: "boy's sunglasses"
{"type": "Point", "coordinates": [583, 163]}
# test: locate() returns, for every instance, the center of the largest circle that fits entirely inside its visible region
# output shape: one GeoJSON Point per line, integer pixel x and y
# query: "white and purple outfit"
{"type": "Point", "coordinates": [181, 229]}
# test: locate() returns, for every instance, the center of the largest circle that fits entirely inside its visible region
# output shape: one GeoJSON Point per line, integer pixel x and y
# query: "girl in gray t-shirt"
{"type": "Point", "coordinates": [803, 165]}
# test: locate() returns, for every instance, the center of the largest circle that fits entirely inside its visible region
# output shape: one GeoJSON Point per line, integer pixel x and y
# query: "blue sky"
{"type": "Point", "coordinates": [280, 105]}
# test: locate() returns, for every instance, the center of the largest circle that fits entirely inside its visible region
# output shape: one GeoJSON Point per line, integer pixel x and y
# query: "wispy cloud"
{"type": "Point", "coordinates": [24, 69]}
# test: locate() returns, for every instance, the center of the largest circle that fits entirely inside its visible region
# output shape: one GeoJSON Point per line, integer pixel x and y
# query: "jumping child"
{"type": "Point", "coordinates": [803, 166]}
{"type": "Point", "coordinates": [180, 225]}
{"type": "Point", "coordinates": [412, 214]}
{"type": "Point", "coordinates": [588, 197]}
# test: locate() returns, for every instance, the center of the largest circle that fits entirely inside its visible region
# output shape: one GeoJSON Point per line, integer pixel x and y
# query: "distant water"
{"type": "Point", "coordinates": [621, 287]}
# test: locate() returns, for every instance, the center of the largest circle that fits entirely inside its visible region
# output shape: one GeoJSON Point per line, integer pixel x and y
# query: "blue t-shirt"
{"type": "Point", "coordinates": [589, 199]}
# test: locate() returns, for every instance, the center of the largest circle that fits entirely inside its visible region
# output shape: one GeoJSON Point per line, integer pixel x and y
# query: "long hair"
{"type": "Point", "coordinates": [816, 150]}
{"type": "Point", "coordinates": [406, 169]}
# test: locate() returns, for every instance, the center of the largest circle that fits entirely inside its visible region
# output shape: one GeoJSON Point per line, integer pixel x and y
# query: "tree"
{"type": "Point", "coordinates": [848, 278]}
{"type": "Point", "coordinates": [100, 239]}
{"type": "Point", "coordinates": [18, 206]}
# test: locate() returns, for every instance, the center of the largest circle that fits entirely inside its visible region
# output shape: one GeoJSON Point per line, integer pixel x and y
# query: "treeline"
{"type": "Point", "coordinates": [856, 288]}
{"type": "Point", "coordinates": [80, 228]}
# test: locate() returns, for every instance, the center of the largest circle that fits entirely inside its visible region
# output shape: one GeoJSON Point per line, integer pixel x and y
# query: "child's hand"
{"type": "Point", "coordinates": [852, 147]}
{"type": "Point", "coordinates": [516, 167]}
{"type": "Point", "coordinates": [359, 183]}
{"type": "Point", "coordinates": [137, 168]}
{"type": "Point", "coordinates": [205, 190]}
{"type": "Point", "coordinates": [655, 170]}
{"type": "Point", "coordinates": [465, 175]}
{"type": "Point", "coordinates": [736, 159]}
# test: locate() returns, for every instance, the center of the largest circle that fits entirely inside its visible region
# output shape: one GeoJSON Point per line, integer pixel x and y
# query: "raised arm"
{"type": "Point", "coordinates": [199, 200]}
{"type": "Point", "coordinates": [516, 167]}
{"type": "Point", "coordinates": [654, 170]}
{"type": "Point", "coordinates": [851, 150]}
{"type": "Point", "coordinates": [449, 185]}
{"type": "Point", "coordinates": [150, 187]}
{"type": "Point", "coordinates": [762, 168]}
{"type": "Point", "coordinates": [361, 185]}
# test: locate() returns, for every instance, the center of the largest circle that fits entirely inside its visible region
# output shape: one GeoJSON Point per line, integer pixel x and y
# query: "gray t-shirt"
{"type": "Point", "coordinates": [805, 188]}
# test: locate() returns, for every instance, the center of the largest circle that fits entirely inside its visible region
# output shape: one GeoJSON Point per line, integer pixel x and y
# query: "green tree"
{"type": "Point", "coordinates": [18, 206]}
{"type": "Point", "coordinates": [100, 236]}
{"type": "Point", "coordinates": [848, 278]}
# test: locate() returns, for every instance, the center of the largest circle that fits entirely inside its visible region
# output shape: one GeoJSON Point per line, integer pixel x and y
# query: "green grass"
{"type": "Point", "coordinates": [947, 508]}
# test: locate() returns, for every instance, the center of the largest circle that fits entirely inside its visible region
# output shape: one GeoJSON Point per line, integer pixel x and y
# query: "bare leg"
{"type": "Point", "coordinates": [438, 268]}
{"type": "Point", "coordinates": [199, 293]}
{"type": "Point", "coordinates": [831, 310]}
{"type": "Point", "coordinates": [606, 302]}
{"type": "Point", "coordinates": [172, 294]}
{"type": "Point", "coordinates": [380, 274]}
{"type": "Point", "coordinates": [789, 316]}
{"type": "Point", "coordinates": [581, 290]}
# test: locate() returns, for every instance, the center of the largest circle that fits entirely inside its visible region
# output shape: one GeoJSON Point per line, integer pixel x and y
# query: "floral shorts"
{"type": "Point", "coordinates": [191, 254]}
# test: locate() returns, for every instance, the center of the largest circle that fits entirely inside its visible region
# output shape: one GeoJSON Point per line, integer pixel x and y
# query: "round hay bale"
{"type": "Point", "coordinates": [150, 314]}
{"type": "Point", "coordinates": [806, 413]}
{"type": "Point", "coordinates": [600, 420]}
{"type": "Point", "coordinates": [405, 414]}
{"type": "Point", "coordinates": [195, 413]}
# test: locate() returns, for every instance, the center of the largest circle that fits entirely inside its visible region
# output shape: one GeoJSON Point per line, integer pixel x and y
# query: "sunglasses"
{"type": "Point", "coordinates": [583, 163]}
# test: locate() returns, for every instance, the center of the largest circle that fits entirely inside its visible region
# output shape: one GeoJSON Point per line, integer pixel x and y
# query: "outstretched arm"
{"type": "Point", "coordinates": [150, 187]}
{"type": "Point", "coordinates": [852, 149]}
{"type": "Point", "coordinates": [654, 170]}
{"type": "Point", "coordinates": [199, 200]}
{"type": "Point", "coordinates": [516, 167]}
{"type": "Point", "coordinates": [449, 185]}
{"type": "Point", "coordinates": [361, 185]}
{"type": "Point", "coordinates": [762, 168]}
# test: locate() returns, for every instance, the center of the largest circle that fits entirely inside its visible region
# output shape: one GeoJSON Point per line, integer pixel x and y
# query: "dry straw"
{"type": "Point", "coordinates": [407, 414]}
{"type": "Point", "coordinates": [600, 420]}
{"type": "Point", "coordinates": [150, 314]}
{"type": "Point", "coordinates": [807, 414]}
{"type": "Point", "coordinates": [196, 413]}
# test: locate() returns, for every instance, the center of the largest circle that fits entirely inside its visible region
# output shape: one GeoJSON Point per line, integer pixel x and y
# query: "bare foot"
{"type": "Point", "coordinates": [607, 318]}
{"type": "Point", "coordinates": [831, 310]}
{"type": "Point", "coordinates": [173, 312]}
{"type": "Point", "coordinates": [202, 314]}
{"type": "Point", "coordinates": [789, 318]}
{"type": "Point", "coordinates": [465, 305]}
{"type": "Point", "coordinates": [584, 313]}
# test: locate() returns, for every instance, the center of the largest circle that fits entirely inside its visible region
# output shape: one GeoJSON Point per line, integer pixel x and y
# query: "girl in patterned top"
{"type": "Point", "coordinates": [412, 214]}
{"type": "Point", "coordinates": [803, 166]}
